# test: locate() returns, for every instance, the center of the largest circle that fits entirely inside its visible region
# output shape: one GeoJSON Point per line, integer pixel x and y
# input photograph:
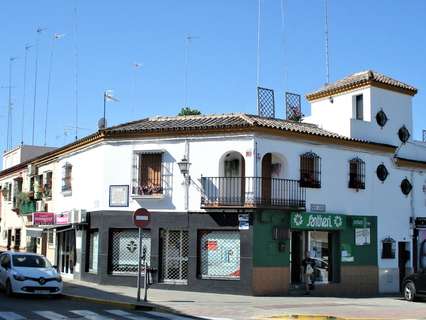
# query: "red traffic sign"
{"type": "Point", "coordinates": [141, 218]}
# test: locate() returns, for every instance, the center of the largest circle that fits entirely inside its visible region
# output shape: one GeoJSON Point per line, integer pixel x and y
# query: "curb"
{"type": "Point", "coordinates": [312, 317]}
{"type": "Point", "coordinates": [124, 305]}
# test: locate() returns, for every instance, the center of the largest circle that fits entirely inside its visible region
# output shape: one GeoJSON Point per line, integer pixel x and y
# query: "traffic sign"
{"type": "Point", "coordinates": [141, 218]}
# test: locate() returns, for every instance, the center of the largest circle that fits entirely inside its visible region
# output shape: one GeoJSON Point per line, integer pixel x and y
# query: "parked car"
{"type": "Point", "coordinates": [414, 286]}
{"type": "Point", "coordinates": [28, 273]}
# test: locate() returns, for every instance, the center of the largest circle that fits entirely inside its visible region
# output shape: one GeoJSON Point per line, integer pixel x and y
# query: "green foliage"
{"type": "Point", "coordinates": [187, 111]}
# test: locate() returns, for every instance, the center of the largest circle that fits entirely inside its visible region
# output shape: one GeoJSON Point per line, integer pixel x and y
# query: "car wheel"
{"type": "Point", "coordinates": [409, 291]}
{"type": "Point", "coordinates": [8, 288]}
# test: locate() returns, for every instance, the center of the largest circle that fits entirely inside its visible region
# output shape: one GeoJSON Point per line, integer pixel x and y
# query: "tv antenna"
{"type": "Point", "coordinates": [27, 47]}
{"type": "Point", "coordinates": [9, 135]}
{"type": "Point", "coordinates": [188, 40]}
{"type": "Point", "coordinates": [327, 62]}
{"type": "Point", "coordinates": [76, 68]}
{"type": "Point", "coordinates": [39, 31]}
{"type": "Point", "coordinates": [135, 66]}
{"type": "Point", "coordinates": [259, 15]}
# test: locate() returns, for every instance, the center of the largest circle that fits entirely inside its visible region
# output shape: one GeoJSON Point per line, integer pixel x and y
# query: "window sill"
{"type": "Point", "coordinates": [148, 196]}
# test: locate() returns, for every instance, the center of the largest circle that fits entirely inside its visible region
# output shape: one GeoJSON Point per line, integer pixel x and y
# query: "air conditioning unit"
{"type": "Point", "coordinates": [32, 170]}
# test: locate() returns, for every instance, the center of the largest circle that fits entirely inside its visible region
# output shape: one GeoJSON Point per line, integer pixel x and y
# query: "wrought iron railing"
{"type": "Point", "coordinates": [252, 192]}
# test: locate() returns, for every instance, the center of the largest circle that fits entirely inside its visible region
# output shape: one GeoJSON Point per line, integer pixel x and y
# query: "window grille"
{"type": "Point", "coordinates": [219, 255]}
{"type": "Point", "coordinates": [66, 177]}
{"type": "Point", "coordinates": [125, 250]}
{"type": "Point", "coordinates": [356, 174]}
{"type": "Point", "coordinates": [147, 174]}
{"type": "Point", "coordinates": [265, 102]}
{"type": "Point", "coordinates": [93, 251]}
{"type": "Point", "coordinates": [293, 106]}
{"type": "Point", "coordinates": [174, 248]}
{"type": "Point", "coordinates": [310, 170]}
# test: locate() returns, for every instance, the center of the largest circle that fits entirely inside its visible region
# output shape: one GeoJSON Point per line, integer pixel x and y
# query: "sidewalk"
{"type": "Point", "coordinates": [246, 307]}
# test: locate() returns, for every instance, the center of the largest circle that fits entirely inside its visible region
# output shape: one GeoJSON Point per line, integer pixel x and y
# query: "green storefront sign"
{"type": "Point", "coordinates": [317, 221]}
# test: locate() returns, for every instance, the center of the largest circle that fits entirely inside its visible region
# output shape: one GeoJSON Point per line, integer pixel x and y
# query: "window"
{"type": "Point", "coordinates": [403, 134]}
{"type": "Point", "coordinates": [147, 174]}
{"type": "Point", "coordinates": [388, 248]}
{"type": "Point", "coordinates": [47, 188]}
{"type": "Point", "coordinates": [51, 237]}
{"type": "Point", "coordinates": [356, 174]}
{"type": "Point", "coordinates": [125, 250]}
{"type": "Point", "coordinates": [359, 107]}
{"type": "Point", "coordinates": [310, 170]}
{"type": "Point", "coordinates": [17, 238]}
{"type": "Point", "coordinates": [93, 251]}
{"type": "Point", "coordinates": [38, 187]}
{"type": "Point", "coordinates": [17, 189]}
{"type": "Point", "coordinates": [66, 177]}
{"type": "Point", "coordinates": [219, 254]}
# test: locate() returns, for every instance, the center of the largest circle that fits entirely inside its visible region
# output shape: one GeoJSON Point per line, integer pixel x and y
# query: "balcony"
{"type": "Point", "coordinates": [252, 192]}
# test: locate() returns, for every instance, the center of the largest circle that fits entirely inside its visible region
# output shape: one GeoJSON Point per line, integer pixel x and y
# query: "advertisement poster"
{"type": "Point", "coordinates": [362, 236]}
{"type": "Point", "coordinates": [347, 255]}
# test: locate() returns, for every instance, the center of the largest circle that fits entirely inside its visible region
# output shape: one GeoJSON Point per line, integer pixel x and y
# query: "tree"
{"type": "Point", "coordinates": [187, 111]}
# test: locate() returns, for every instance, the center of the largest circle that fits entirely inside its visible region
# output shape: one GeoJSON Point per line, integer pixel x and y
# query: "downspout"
{"type": "Point", "coordinates": [187, 178]}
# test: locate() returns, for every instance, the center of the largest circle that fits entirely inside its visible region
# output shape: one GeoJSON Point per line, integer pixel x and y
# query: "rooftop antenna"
{"type": "Point", "coordinates": [27, 47]}
{"type": "Point", "coordinates": [76, 67]}
{"type": "Point", "coordinates": [188, 41]}
{"type": "Point", "coordinates": [55, 37]}
{"type": "Point", "coordinates": [39, 31]}
{"type": "Point", "coordinates": [327, 63]}
{"type": "Point", "coordinates": [259, 8]}
{"type": "Point", "coordinates": [9, 109]}
{"type": "Point", "coordinates": [283, 42]}
{"type": "Point", "coordinates": [136, 66]}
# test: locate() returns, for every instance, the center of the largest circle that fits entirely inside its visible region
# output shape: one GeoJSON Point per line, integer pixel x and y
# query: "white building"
{"type": "Point", "coordinates": [346, 185]}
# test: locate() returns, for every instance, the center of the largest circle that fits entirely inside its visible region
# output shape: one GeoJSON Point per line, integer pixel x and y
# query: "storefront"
{"type": "Point", "coordinates": [66, 256]}
{"type": "Point", "coordinates": [420, 244]}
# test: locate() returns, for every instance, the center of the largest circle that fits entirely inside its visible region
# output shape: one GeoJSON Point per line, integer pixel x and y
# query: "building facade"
{"type": "Point", "coordinates": [237, 200]}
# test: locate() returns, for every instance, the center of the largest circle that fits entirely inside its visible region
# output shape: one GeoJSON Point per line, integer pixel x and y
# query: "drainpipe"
{"type": "Point", "coordinates": [187, 178]}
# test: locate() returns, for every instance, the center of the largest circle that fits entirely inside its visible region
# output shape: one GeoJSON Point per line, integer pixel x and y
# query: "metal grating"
{"type": "Point", "coordinates": [125, 250]}
{"type": "Point", "coordinates": [219, 255]}
{"type": "Point", "coordinates": [424, 135]}
{"type": "Point", "coordinates": [174, 256]}
{"type": "Point", "coordinates": [293, 106]}
{"type": "Point", "coordinates": [265, 102]}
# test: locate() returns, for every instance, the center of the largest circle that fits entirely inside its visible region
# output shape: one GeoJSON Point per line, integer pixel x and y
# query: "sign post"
{"type": "Point", "coordinates": [141, 219]}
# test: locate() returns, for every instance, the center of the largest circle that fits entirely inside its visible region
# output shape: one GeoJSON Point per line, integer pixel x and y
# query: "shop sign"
{"type": "Point", "coordinates": [62, 218]}
{"type": "Point", "coordinates": [43, 218]}
{"type": "Point", "coordinates": [315, 207]}
{"type": "Point", "coordinates": [360, 222]}
{"type": "Point", "coordinates": [317, 221]}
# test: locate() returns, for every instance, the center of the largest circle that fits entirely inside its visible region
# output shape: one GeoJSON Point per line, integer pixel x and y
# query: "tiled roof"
{"type": "Point", "coordinates": [360, 79]}
{"type": "Point", "coordinates": [223, 121]}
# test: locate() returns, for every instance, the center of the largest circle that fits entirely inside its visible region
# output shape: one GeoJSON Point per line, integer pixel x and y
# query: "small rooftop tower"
{"type": "Point", "coordinates": [365, 105]}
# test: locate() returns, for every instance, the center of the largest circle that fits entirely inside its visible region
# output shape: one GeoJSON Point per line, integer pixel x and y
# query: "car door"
{"type": "Point", "coordinates": [421, 282]}
{"type": "Point", "coordinates": [3, 270]}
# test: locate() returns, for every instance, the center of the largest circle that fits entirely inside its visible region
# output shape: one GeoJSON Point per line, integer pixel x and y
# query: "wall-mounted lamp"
{"type": "Point", "coordinates": [184, 165]}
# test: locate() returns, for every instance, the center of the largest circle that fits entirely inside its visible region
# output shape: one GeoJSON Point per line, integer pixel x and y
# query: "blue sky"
{"type": "Point", "coordinates": [386, 36]}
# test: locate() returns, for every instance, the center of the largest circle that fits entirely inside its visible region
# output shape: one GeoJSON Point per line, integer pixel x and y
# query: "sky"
{"type": "Point", "coordinates": [383, 35]}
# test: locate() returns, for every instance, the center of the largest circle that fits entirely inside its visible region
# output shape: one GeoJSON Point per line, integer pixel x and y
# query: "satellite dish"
{"type": "Point", "coordinates": [101, 123]}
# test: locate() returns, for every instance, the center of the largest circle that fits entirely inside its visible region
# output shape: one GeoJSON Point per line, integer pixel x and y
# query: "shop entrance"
{"type": "Point", "coordinates": [66, 251]}
{"type": "Point", "coordinates": [174, 247]}
{"type": "Point", "coordinates": [318, 244]}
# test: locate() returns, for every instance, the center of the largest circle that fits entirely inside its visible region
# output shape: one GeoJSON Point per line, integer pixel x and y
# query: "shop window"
{"type": "Point", "coordinates": [388, 248]}
{"type": "Point", "coordinates": [319, 248]}
{"type": "Point", "coordinates": [356, 174]}
{"type": "Point", "coordinates": [147, 175]}
{"type": "Point", "coordinates": [124, 246]}
{"type": "Point", "coordinates": [310, 170]}
{"type": "Point", "coordinates": [174, 252]}
{"type": "Point", "coordinates": [219, 255]}
{"type": "Point", "coordinates": [17, 238]}
{"type": "Point", "coordinates": [67, 178]}
{"type": "Point", "coordinates": [93, 251]}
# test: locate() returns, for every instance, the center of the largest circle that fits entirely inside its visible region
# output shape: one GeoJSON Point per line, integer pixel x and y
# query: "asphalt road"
{"type": "Point", "coordinates": [42, 308]}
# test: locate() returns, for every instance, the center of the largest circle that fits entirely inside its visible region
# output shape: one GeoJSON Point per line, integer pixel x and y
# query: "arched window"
{"type": "Point", "coordinates": [356, 174]}
{"type": "Point", "coordinates": [310, 170]}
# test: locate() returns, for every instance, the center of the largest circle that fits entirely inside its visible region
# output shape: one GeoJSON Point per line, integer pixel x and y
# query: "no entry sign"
{"type": "Point", "coordinates": [141, 218]}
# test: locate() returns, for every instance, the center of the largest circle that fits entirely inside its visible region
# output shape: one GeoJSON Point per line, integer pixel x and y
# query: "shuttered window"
{"type": "Point", "coordinates": [310, 170]}
{"type": "Point", "coordinates": [147, 174]}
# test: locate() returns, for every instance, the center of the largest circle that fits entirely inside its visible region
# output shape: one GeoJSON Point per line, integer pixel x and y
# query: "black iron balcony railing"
{"type": "Point", "coordinates": [252, 192]}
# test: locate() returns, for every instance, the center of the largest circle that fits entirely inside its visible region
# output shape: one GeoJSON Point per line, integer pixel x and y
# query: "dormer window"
{"type": "Point", "coordinates": [359, 107]}
{"type": "Point", "coordinates": [356, 174]}
{"type": "Point", "coordinates": [310, 170]}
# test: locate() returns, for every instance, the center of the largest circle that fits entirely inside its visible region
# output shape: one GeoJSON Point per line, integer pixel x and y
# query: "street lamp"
{"type": "Point", "coordinates": [184, 165]}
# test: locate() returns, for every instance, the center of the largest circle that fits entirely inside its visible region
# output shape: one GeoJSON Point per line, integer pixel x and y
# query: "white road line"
{"type": "Point", "coordinates": [86, 314]}
{"type": "Point", "coordinates": [127, 315]}
{"type": "Point", "coordinates": [167, 316]}
{"type": "Point", "coordinates": [51, 315]}
{"type": "Point", "coordinates": [11, 316]}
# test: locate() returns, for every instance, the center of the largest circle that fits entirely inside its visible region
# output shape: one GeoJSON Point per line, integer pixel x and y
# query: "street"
{"type": "Point", "coordinates": [42, 308]}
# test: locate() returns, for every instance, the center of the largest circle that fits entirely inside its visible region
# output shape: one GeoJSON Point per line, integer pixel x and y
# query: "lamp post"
{"type": "Point", "coordinates": [184, 165]}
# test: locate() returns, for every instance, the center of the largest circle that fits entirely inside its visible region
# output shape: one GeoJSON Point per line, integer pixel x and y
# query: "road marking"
{"type": "Point", "coordinates": [86, 314]}
{"type": "Point", "coordinates": [51, 315]}
{"type": "Point", "coordinates": [167, 316]}
{"type": "Point", "coordinates": [11, 316]}
{"type": "Point", "coordinates": [127, 315]}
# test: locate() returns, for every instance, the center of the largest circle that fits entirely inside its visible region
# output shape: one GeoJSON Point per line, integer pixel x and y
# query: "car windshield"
{"type": "Point", "coordinates": [30, 261]}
